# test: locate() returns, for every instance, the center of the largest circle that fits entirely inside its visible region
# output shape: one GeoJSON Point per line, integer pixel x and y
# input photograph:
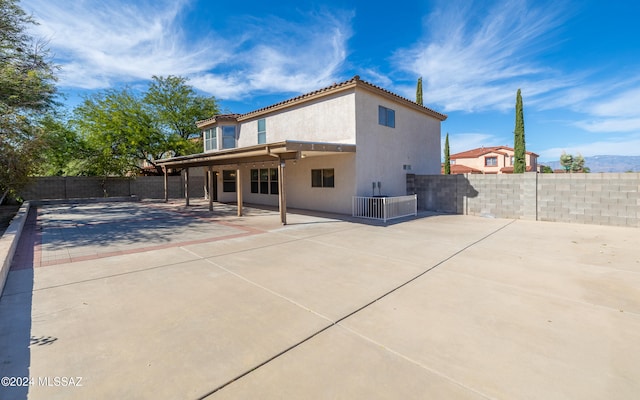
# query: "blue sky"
{"type": "Point", "coordinates": [577, 62]}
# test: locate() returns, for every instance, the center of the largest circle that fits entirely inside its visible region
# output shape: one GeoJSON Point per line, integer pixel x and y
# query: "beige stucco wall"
{"type": "Point", "coordinates": [383, 151]}
{"type": "Point", "coordinates": [330, 119]}
{"type": "Point", "coordinates": [301, 195]}
{"type": "Point", "coordinates": [299, 192]}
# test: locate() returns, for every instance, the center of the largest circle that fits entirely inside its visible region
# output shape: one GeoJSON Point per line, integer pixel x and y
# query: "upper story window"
{"type": "Point", "coordinates": [262, 131]}
{"type": "Point", "coordinates": [211, 139]}
{"type": "Point", "coordinates": [386, 117]}
{"type": "Point", "coordinates": [228, 137]}
{"type": "Point", "coordinates": [491, 161]}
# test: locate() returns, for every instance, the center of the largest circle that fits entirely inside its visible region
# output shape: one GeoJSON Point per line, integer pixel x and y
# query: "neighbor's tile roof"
{"type": "Point", "coordinates": [509, 170]}
{"type": "Point", "coordinates": [480, 151]}
{"type": "Point", "coordinates": [336, 87]}
{"type": "Point", "coordinates": [461, 169]}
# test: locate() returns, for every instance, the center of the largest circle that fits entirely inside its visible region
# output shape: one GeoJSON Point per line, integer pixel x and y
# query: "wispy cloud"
{"type": "Point", "coordinates": [296, 57]}
{"type": "Point", "coordinates": [99, 44]}
{"type": "Point", "coordinates": [472, 60]}
{"type": "Point", "coordinates": [607, 106]}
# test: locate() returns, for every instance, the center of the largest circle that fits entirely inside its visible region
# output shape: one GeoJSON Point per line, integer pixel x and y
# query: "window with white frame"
{"type": "Point", "coordinates": [262, 131]}
{"type": "Point", "coordinates": [228, 137]}
{"type": "Point", "coordinates": [491, 161]}
{"type": "Point", "coordinates": [210, 139]}
{"type": "Point", "coordinates": [386, 117]}
{"type": "Point", "coordinates": [264, 181]}
{"type": "Point", "coordinates": [323, 177]}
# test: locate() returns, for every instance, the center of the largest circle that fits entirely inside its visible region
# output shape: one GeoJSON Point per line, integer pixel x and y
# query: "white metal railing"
{"type": "Point", "coordinates": [384, 208]}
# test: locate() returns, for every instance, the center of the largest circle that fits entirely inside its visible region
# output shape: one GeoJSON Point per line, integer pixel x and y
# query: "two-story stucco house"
{"type": "Point", "coordinates": [318, 150]}
{"type": "Point", "coordinates": [489, 160]}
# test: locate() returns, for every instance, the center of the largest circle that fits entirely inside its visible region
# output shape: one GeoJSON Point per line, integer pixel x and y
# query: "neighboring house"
{"type": "Point", "coordinates": [489, 160]}
{"type": "Point", "coordinates": [349, 139]}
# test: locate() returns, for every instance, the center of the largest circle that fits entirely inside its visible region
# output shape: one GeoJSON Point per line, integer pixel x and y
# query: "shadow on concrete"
{"type": "Point", "coordinates": [15, 318]}
{"type": "Point", "coordinates": [104, 225]}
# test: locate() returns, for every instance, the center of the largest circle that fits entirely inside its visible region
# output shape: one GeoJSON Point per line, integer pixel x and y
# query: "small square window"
{"type": "Point", "coordinates": [386, 117]}
{"type": "Point", "coordinates": [322, 177]}
{"type": "Point", "coordinates": [491, 161]}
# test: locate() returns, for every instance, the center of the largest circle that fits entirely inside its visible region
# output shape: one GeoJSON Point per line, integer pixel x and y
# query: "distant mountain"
{"type": "Point", "coordinates": [605, 163]}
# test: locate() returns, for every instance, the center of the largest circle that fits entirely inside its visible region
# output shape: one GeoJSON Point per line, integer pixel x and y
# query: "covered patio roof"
{"type": "Point", "coordinates": [282, 151]}
{"type": "Point", "coordinates": [286, 150]}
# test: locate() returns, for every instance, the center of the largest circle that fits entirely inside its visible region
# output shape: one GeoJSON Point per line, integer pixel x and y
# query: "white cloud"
{"type": "Point", "coordinates": [474, 64]}
{"type": "Point", "coordinates": [622, 104]}
{"type": "Point", "coordinates": [100, 44]}
{"type": "Point", "coordinates": [608, 106]}
{"type": "Point", "coordinates": [611, 125]}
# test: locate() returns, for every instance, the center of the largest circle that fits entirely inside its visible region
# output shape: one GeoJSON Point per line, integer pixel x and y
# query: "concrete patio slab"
{"type": "Point", "coordinates": [507, 343]}
{"type": "Point", "coordinates": [221, 306]}
{"type": "Point", "coordinates": [357, 368]}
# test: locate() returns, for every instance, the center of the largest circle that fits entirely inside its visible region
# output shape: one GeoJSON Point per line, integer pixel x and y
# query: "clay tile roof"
{"type": "Point", "coordinates": [509, 170]}
{"type": "Point", "coordinates": [461, 169]}
{"type": "Point", "coordinates": [336, 87]}
{"type": "Point", "coordinates": [480, 151]}
{"type": "Point", "coordinates": [219, 117]}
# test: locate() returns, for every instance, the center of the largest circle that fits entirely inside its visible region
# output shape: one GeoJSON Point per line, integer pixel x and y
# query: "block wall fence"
{"type": "Point", "coordinates": [597, 198]}
{"type": "Point", "coordinates": [144, 187]}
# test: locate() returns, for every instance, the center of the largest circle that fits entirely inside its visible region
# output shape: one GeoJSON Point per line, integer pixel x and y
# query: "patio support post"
{"type": "Point", "coordinates": [186, 187]}
{"type": "Point", "coordinates": [239, 189]}
{"type": "Point", "coordinates": [282, 196]}
{"type": "Point", "coordinates": [166, 185]}
{"type": "Point", "coordinates": [210, 186]}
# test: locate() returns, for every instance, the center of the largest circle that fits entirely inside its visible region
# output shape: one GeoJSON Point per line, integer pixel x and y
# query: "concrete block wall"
{"type": "Point", "coordinates": [604, 199]}
{"type": "Point", "coordinates": [77, 187]}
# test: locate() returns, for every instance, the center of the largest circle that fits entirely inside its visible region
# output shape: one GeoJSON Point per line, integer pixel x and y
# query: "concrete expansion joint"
{"type": "Point", "coordinates": [208, 260]}
{"type": "Point", "coordinates": [415, 362]}
{"type": "Point", "coordinates": [343, 318]}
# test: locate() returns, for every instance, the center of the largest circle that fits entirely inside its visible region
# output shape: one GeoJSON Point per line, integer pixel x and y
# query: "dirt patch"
{"type": "Point", "coordinates": [6, 215]}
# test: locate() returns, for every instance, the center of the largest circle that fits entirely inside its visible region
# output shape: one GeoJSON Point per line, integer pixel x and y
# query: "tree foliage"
{"type": "Point", "coordinates": [547, 169]}
{"type": "Point", "coordinates": [519, 157]}
{"type": "Point", "coordinates": [27, 90]}
{"type": "Point", "coordinates": [447, 159]}
{"type": "Point", "coordinates": [419, 91]}
{"type": "Point", "coordinates": [572, 163]}
{"type": "Point", "coordinates": [125, 131]}
{"type": "Point", "coordinates": [175, 107]}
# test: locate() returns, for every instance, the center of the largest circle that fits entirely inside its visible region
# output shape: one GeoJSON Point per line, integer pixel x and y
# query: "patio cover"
{"type": "Point", "coordinates": [282, 151]}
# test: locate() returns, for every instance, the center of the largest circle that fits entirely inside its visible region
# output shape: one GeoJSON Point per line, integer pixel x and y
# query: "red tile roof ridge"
{"type": "Point", "coordinates": [348, 83]}
{"type": "Point", "coordinates": [474, 153]}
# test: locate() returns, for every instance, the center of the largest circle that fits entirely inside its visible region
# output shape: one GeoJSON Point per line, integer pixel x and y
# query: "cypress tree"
{"type": "Point", "coordinates": [419, 91]}
{"type": "Point", "coordinates": [519, 160]}
{"type": "Point", "coordinates": [447, 160]}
